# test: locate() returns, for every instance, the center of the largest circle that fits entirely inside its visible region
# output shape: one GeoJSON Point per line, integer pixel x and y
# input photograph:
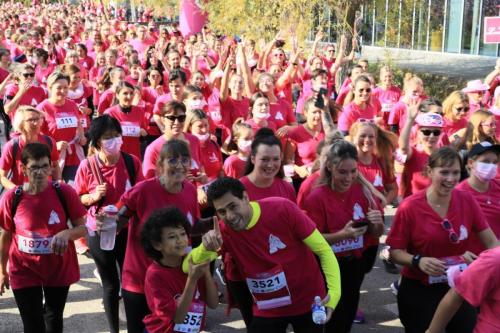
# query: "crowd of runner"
{"type": "Point", "coordinates": [155, 154]}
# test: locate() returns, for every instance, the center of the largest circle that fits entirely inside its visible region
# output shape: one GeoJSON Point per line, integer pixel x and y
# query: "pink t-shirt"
{"type": "Point", "coordinates": [398, 115]}
{"type": "Point", "coordinates": [153, 153]}
{"type": "Point", "coordinates": [40, 216]}
{"type": "Point", "coordinates": [451, 127]}
{"type": "Point", "coordinates": [131, 122]}
{"type": "Point", "coordinates": [41, 74]}
{"type": "Point", "coordinates": [417, 228]}
{"type": "Point", "coordinates": [255, 127]}
{"type": "Point", "coordinates": [306, 187]}
{"type": "Point", "coordinates": [115, 176]}
{"type": "Point", "coordinates": [34, 96]}
{"type": "Point", "coordinates": [234, 166]}
{"type": "Point", "coordinates": [160, 102]}
{"type": "Point", "coordinates": [306, 144]}
{"type": "Point", "coordinates": [142, 200]}
{"type": "Point", "coordinates": [387, 99]}
{"type": "Point", "coordinates": [279, 188]}
{"type": "Point", "coordinates": [479, 285]}
{"type": "Point", "coordinates": [211, 158]}
{"type": "Point", "coordinates": [281, 113]}
{"type": "Point", "coordinates": [105, 101]}
{"type": "Point", "coordinates": [284, 222]}
{"type": "Point", "coordinates": [352, 113]}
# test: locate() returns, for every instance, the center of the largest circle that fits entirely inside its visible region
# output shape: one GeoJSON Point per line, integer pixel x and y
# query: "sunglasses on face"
{"type": "Point", "coordinates": [368, 90]}
{"type": "Point", "coordinates": [174, 161]}
{"type": "Point", "coordinates": [462, 109]}
{"type": "Point", "coordinates": [452, 234]}
{"type": "Point", "coordinates": [27, 75]}
{"type": "Point", "coordinates": [364, 120]}
{"type": "Point", "coordinates": [180, 118]}
{"type": "Point", "coordinates": [428, 132]}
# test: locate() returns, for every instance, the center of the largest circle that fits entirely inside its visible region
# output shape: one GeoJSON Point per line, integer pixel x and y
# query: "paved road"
{"type": "Point", "coordinates": [84, 314]}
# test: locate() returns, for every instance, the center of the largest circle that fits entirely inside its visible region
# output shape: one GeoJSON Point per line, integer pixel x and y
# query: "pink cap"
{"type": "Point", "coordinates": [476, 85]}
{"type": "Point", "coordinates": [429, 120]}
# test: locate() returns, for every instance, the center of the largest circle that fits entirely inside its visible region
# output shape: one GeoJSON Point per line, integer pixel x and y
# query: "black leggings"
{"type": "Point", "coordinates": [301, 324]}
{"type": "Point", "coordinates": [417, 304]}
{"type": "Point", "coordinates": [106, 263]}
{"type": "Point", "coordinates": [351, 277]}
{"type": "Point", "coordinates": [136, 308]}
{"type": "Point", "coordinates": [240, 293]}
{"type": "Point", "coordinates": [37, 317]}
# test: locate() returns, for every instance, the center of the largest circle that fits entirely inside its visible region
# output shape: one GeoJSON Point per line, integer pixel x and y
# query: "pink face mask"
{"type": "Point", "coordinates": [485, 171]}
{"type": "Point", "coordinates": [112, 146]}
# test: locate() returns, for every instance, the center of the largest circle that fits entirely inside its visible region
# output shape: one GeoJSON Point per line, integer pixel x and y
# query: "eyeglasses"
{"type": "Point", "coordinates": [174, 161]}
{"type": "Point", "coordinates": [428, 132]}
{"type": "Point", "coordinates": [33, 120]}
{"type": "Point", "coordinates": [493, 124]}
{"type": "Point", "coordinates": [368, 90]}
{"type": "Point", "coordinates": [462, 109]}
{"type": "Point", "coordinates": [27, 75]}
{"type": "Point", "coordinates": [38, 168]}
{"type": "Point", "coordinates": [364, 120]}
{"type": "Point", "coordinates": [180, 118]}
{"type": "Point", "coordinates": [452, 234]}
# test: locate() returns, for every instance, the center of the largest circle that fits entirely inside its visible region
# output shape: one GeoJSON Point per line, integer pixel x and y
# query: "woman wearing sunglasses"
{"type": "Point", "coordinates": [24, 91]}
{"type": "Point", "coordinates": [415, 157]}
{"type": "Point", "coordinates": [169, 187]}
{"type": "Point", "coordinates": [456, 113]}
{"type": "Point", "coordinates": [432, 231]}
{"type": "Point", "coordinates": [173, 115]}
{"type": "Point", "coordinates": [360, 107]}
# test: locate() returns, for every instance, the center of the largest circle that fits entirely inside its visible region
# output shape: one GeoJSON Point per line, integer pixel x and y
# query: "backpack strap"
{"type": "Point", "coordinates": [60, 195]}
{"type": "Point", "coordinates": [48, 140]}
{"type": "Point", "coordinates": [17, 199]}
{"type": "Point", "coordinates": [129, 163]}
{"type": "Point", "coordinates": [96, 173]}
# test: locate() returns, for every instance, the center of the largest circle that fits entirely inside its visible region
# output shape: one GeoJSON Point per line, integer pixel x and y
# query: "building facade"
{"type": "Point", "coordinates": [453, 26]}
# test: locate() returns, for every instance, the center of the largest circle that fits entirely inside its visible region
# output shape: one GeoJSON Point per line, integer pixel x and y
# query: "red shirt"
{"type": "Point", "coordinates": [255, 127]}
{"type": "Point", "coordinates": [279, 188]}
{"type": "Point", "coordinates": [211, 158]}
{"type": "Point", "coordinates": [413, 179]}
{"type": "Point", "coordinates": [306, 187]}
{"type": "Point", "coordinates": [479, 285]}
{"type": "Point", "coordinates": [131, 122]}
{"type": "Point", "coordinates": [306, 144]}
{"type": "Point", "coordinates": [398, 115]}
{"type": "Point", "coordinates": [41, 74]}
{"type": "Point", "coordinates": [375, 174]}
{"type": "Point", "coordinates": [61, 123]}
{"type": "Point", "coordinates": [13, 163]}
{"type": "Point", "coordinates": [153, 153]}
{"type": "Point", "coordinates": [105, 101]}
{"type": "Point", "coordinates": [234, 166]}
{"type": "Point", "coordinates": [417, 228]}
{"type": "Point", "coordinates": [142, 200]}
{"type": "Point", "coordinates": [352, 113]}
{"type": "Point", "coordinates": [160, 102]}
{"type": "Point", "coordinates": [282, 222]}
{"type": "Point", "coordinates": [40, 216]}
{"type": "Point", "coordinates": [281, 113]}
{"type": "Point", "coordinates": [34, 96]}
{"type": "Point", "coordinates": [387, 99]}
{"type": "Point", "coordinates": [115, 176]}
{"type": "Point", "coordinates": [451, 127]}
{"type": "Point", "coordinates": [332, 210]}
{"type": "Point", "coordinates": [162, 287]}
{"type": "Point", "coordinates": [232, 109]}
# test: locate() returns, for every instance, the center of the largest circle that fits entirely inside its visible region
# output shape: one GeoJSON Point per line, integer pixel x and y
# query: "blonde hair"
{"type": "Point", "coordinates": [410, 79]}
{"type": "Point", "coordinates": [191, 117]}
{"type": "Point", "coordinates": [18, 122]}
{"type": "Point", "coordinates": [236, 131]}
{"type": "Point", "coordinates": [456, 97]}
{"type": "Point", "coordinates": [475, 132]}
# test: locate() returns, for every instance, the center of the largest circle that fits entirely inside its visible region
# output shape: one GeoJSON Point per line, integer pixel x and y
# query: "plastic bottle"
{"type": "Point", "coordinates": [318, 311]}
{"type": "Point", "coordinates": [108, 230]}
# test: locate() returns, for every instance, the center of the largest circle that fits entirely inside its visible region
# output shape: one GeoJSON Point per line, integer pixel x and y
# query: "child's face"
{"type": "Point", "coordinates": [174, 241]}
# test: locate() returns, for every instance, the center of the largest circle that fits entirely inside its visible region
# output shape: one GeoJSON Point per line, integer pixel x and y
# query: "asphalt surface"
{"type": "Point", "coordinates": [84, 313]}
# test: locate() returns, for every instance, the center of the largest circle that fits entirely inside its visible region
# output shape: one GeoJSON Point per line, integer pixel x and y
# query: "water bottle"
{"type": "Point", "coordinates": [108, 230]}
{"type": "Point", "coordinates": [318, 311]}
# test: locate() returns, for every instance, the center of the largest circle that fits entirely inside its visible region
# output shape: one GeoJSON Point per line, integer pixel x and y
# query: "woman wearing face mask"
{"type": "Point", "coordinates": [169, 187]}
{"type": "Point", "coordinates": [100, 181]}
{"type": "Point", "coordinates": [456, 113]}
{"type": "Point", "coordinates": [260, 113]}
{"type": "Point", "coordinates": [431, 233]}
{"type": "Point", "coordinates": [482, 163]}
{"type": "Point", "coordinates": [173, 116]}
{"type": "Point", "coordinates": [24, 91]}
{"type": "Point", "coordinates": [360, 107]}
{"type": "Point", "coordinates": [131, 117]}
{"type": "Point", "coordinates": [415, 157]}
{"type": "Point", "coordinates": [238, 148]}
{"type": "Point", "coordinates": [346, 212]}
{"type": "Point", "coordinates": [413, 93]}
{"type": "Point", "coordinates": [63, 123]}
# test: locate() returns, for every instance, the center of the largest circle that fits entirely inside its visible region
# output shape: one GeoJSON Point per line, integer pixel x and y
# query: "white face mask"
{"type": "Point", "coordinates": [202, 137]}
{"type": "Point", "coordinates": [485, 171]}
{"type": "Point", "coordinates": [112, 146]}
{"type": "Point", "coordinates": [197, 104]}
{"type": "Point", "coordinates": [245, 145]}
{"type": "Point", "coordinates": [262, 116]}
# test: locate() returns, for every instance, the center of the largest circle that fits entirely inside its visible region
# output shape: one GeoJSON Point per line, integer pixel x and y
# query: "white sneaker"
{"type": "Point", "coordinates": [97, 276]}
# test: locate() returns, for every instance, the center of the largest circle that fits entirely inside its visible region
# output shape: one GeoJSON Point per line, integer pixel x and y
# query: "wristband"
{"type": "Point", "coordinates": [415, 261]}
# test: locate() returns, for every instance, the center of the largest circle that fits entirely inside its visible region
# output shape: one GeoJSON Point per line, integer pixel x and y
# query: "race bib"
{"type": "Point", "coordinates": [348, 244]}
{"type": "Point", "coordinates": [387, 107]}
{"type": "Point", "coordinates": [36, 245]}
{"type": "Point", "coordinates": [66, 122]}
{"type": "Point", "coordinates": [455, 263]}
{"type": "Point", "coordinates": [193, 319]}
{"type": "Point", "coordinates": [216, 116]}
{"type": "Point", "coordinates": [83, 122]}
{"type": "Point", "coordinates": [130, 129]}
{"type": "Point", "coordinates": [270, 289]}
